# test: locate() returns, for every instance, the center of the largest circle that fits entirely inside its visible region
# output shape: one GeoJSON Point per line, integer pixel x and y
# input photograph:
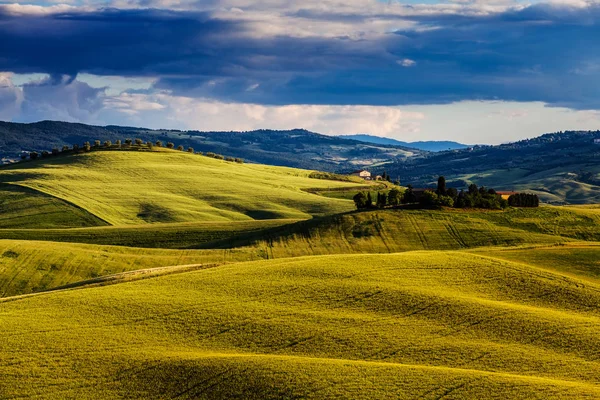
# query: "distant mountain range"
{"type": "Point", "coordinates": [432, 146]}
{"type": "Point", "coordinates": [560, 167]}
{"type": "Point", "coordinates": [293, 148]}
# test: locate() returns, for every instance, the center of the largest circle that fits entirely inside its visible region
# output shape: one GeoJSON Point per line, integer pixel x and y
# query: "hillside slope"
{"type": "Point", "coordinates": [430, 145]}
{"type": "Point", "coordinates": [421, 324]}
{"type": "Point", "coordinates": [297, 148]}
{"type": "Point", "coordinates": [560, 167]}
{"type": "Point", "coordinates": [133, 187]}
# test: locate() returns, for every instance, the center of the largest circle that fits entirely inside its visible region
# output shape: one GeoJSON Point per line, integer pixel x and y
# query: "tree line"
{"type": "Point", "coordinates": [473, 197]}
{"type": "Point", "coordinates": [137, 144]}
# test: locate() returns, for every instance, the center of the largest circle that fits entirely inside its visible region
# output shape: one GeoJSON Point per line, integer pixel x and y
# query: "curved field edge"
{"type": "Point", "coordinates": [473, 319]}
{"type": "Point", "coordinates": [34, 266]}
{"type": "Point", "coordinates": [128, 188]}
{"type": "Point", "coordinates": [22, 207]}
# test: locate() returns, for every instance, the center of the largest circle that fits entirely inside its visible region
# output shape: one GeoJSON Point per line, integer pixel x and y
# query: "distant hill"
{"type": "Point", "coordinates": [297, 148]}
{"type": "Point", "coordinates": [562, 167]}
{"type": "Point", "coordinates": [433, 146]}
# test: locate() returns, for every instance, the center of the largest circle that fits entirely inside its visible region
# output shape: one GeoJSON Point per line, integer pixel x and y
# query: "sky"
{"type": "Point", "coordinates": [470, 71]}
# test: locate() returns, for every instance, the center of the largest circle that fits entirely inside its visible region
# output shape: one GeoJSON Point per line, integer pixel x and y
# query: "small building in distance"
{"type": "Point", "coordinates": [362, 173]}
{"type": "Point", "coordinates": [596, 141]}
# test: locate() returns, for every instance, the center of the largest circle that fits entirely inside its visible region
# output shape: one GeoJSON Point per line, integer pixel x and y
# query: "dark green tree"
{"type": "Point", "coordinates": [381, 200]}
{"type": "Point", "coordinates": [441, 186]}
{"type": "Point", "coordinates": [360, 200]}
{"type": "Point", "coordinates": [394, 197]}
{"type": "Point", "coordinates": [409, 196]}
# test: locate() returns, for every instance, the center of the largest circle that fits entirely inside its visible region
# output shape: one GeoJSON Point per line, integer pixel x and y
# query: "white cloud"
{"type": "Point", "coordinates": [407, 62]}
{"type": "Point", "coordinates": [11, 97]}
{"type": "Point", "coordinates": [202, 114]}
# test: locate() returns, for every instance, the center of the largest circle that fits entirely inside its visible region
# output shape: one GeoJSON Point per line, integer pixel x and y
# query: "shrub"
{"type": "Point", "coordinates": [118, 143]}
{"type": "Point", "coordinates": [75, 147]}
{"type": "Point", "coordinates": [128, 142]}
{"type": "Point", "coordinates": [55, 151]}
{"type": "Point", "coordinates": [394, 196]}
{"type": "Point", "coordinates": [239, 160]}
{"type": "Point", "coordinates": [45, 153]}
{"type": "Point", "coordinates": [170, 145]}
{"type": "Point", "coordinates": [139, 142]}
{"type": "Point", "coordinates": [210, 154]}
{"type": "Point", "coordinates": [524, 200]}
{"type": "Point", "coordinates": [180, 148]}
{"type": "Point", "coordinates": [66, 148]}
{"type": "Point", "coordinates": [230, 159]}
{"type": "Point", "coordinates": [149, 145]}
{"type": "Point", "coordinates": [33, 155]}
{"type": "Point", "coordinates": [24, 156]}
{"type": "Point", "coordinates": [87, 146]}
{"type": "Point", "coordinates": [409, 196]}
{"type": "Point", "coordinates": [219, 157]}
{"type": "Point", "coordinates": [360, 200]}
{"type": "Point", "coordinates": [159, 143]}
{"type": "Point", "coordinates": [107, 143]}
{"type": "Point", "coordinates": [190, 150]}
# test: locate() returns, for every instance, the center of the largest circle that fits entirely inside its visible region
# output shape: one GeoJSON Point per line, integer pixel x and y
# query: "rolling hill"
{"type": "Point", "coordinates": [424, 324]}
{"type": "Point", "coordinates": [32, 260]}
{"type": "Point", "coordinates": [162, 274]}
{"type": "Point", "coordinates": [429, 145]}
{"type": "Point", "coordinates": [136, 187]}
{"type": "Point", "coordinates": [297, 148]}
{"type": "Point", "coordinates": [559, 167]}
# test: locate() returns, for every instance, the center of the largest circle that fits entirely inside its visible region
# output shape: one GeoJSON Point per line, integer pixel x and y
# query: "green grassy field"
{"type": "Point", "coordinates": [221, 280]}
{"type": "Point", "coordinates": [21, 207]}
{"type": "Point", "coordinates": [31, 266]}
{"type": "Point", "coordinates": [169, 235]}
{"type": "Point", "coordinates": [126, 187]}
{"type": "Point", "coordinates": [418, 324]}
{"type": "Point", "coordinates": [43, 262]}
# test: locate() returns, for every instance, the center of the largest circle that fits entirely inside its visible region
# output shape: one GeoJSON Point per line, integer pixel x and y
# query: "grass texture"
{"type": "Point", "coordinates": [425, 324]}
{"type": "Point", "coordinates": [125, 187]}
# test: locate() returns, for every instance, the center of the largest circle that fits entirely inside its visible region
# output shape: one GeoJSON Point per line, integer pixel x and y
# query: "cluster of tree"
{"type": "Point", "coordinates": [523, 200]}
{"type": "Point", "coordinates": [128, 143]}
{"type": "Point", "coordinates": [473, 197]}
{"type": "Point", "coordinates": [363, 200]}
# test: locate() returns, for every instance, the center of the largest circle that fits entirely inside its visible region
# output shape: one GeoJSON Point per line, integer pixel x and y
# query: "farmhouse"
{"type": "Point", "coordinates": [363, 173]}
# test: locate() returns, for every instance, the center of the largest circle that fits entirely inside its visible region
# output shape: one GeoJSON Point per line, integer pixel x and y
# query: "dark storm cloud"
{"type": "Point", "coordinates": [543, 53]}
